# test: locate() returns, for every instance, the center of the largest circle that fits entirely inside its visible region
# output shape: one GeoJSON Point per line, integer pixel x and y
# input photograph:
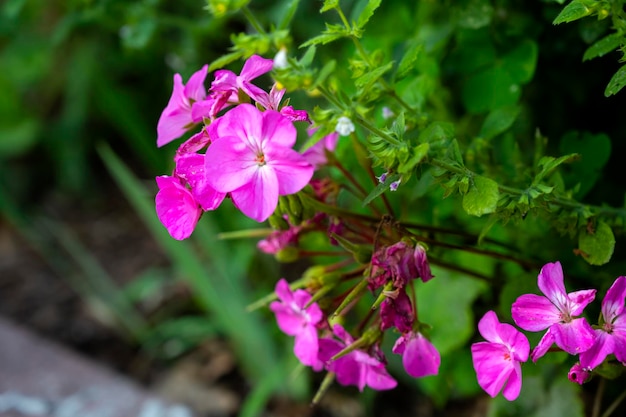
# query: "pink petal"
{"type": "Point", "coordinates": [488, 327]}
{"type": "Point", "coordinates": [377, 378]}
{"type": "Point", "coordinates": [194, 89]}
{"type": "Point", "coordinates": [492, 369]}
{"type": "Point", "coordinates": [579, 300]}
{"type": "Point", "coordinates": [293, 172]}
{"type": "Point", "coordinates": [283, 291]}
{"type": "Point", "coordinates": [289, 321]}
{"type": "Point", "coordinates": [577, 374]}
{"type": "Point", "coordinates": [194, 144]}
{"type": "Point", "coordinates": [514, 384]}
{"type": "Point", "coordinates": [225, 80]}
{"type": "Point", "coordinates": [613, 303]}
{"type": "Point", "coordinates": [550, 283]}
{"type": "Point", "coordinates": [255, 66]}
{"type": "Point", "coordinates": [619, 334]}
{"type": "Point", "coordinates": [420, 357]}
{"type": "Point", "coordinates": [244, 122]}
{"type": "Point", "coordinates": [176, 207]}
{"type": "Point", "coordinates": [191, 168]}
{"type": "Point", "coordinates": [604, 345]}
{"type": "Point", "coordinates": [259, 197]}
{"type": "Point", "coordinates": [230, 164]}
{"type": "Point", "coordinates": [201, 110]}
{"type": "Point", "coordinates": [534, 313]}
{"type": "Point", "coordinates": [278, 131]}
{"type": "Point", "coordinates": [172, 125]}
{"type": "Point", "coordinates": [306, 346]}
{"type": "Point", "coordinates": [542, 347]}
{"type": "Point", "coordinates": [574, 337]}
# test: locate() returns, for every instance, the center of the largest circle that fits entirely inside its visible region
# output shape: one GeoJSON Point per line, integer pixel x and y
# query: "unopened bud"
{"type": "Point", "coordinates": [287, 255]}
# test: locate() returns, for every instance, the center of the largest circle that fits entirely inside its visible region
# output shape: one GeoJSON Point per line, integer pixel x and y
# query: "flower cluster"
{"type": "Point", "coordinates": [242, 151]}
{"type": "Point", "coordinates": [498, 361]}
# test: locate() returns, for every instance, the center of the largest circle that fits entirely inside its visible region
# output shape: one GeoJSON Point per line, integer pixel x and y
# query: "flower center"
{"type": "Point", "coordinates": [260, 159]}
{"type": "Point", "coordinates": [507, 356]}
{"type": "Point", "coordinates": [608, 327]}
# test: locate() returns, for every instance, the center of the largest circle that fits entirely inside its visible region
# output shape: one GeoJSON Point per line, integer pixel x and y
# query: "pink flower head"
{"type": "Point", "coordinates": [251, 157]}
{"type": "Point", "coordinates": [194, 144]}
{"type": "Point", "coordinates": [555, 312]}
{"type": "Point", "coordinates": [497, 361]}
{"type": "Point", "coordinates": [294, 319]}
{"type": "Point", "coordinates": [397, 311]}
{"type": "Point", "coordinates": [182, 111]}
{"type": "Point", "coordinates": [279, 240]}
{"type": "Point", "coordinates": [176, 207]}
{"type": "Point", "coordinates": [401, 263]}
{"type": "Point", "coordinates": [578, 374]}
{"type": "Point", "coordinates": [419, 357]}
{"type": "Point", "coordinates": [316, 154]}
{"type": "Point", "coordinates": [611, 336]}
{"type": "Point", "coordinates": [358, 368]}
{"type": "Point", "coordinates": [225, 88]}
{"type": "Point", "coordinates": [190, 168]}
{"type": "Point", "coordinates": [272, 101]}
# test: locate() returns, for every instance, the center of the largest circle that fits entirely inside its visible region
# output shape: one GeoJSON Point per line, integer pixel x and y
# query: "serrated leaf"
{"type": "Point", "coordinates": [482, 197]}
{"type": "Point", "coordinates": [367, 12]}
{"type": "Point", "coordinates": [329, 5]}
{"type": "Point", "coordinates": [603, 46]}
{"type": "Point", "coordinates": [618, 81]}
{"type": "Point", "coordinates": [498, 121]}
{"type": "Point", "coordinates": [332, 33]}
{"type": "Point", "coordinates": [417, 155]}
{"type": "Point", "coordinates": [407, 61]}
{"type": "Point", "coordinates": [380, 188]}
{"type": "Point", "coordinates": [454, 153]}
{"type": "Point", "coordinates": [597, 247]}
{"type": "Point", "coordinates": [548, 164]}
{"type": "Point", "coordinates": [573, 11]}
{"type": "Point", "coordinates": [372, 76]}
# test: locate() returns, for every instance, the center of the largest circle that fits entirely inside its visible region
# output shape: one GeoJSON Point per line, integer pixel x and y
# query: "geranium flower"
{"type": "Point", "coordinates": [497, 361]}
{"type": "Point", "coordinates": [272, 101]}
{"type": "Point", "coordinates": [225, 88]}
{"type": "Point", "coordinates": [578, 374]}
{"type": "Point", "coordinates": [294, 319]}
{"type": "Point", "coordinates": [357, 368]}
{"type": "Point", "coordinates": [611, 336]}
{"type": "Point", "coordinates": [190, 168]}
{"type": "Point", "coordinates": [555, 312]}
{"type": "Point", "coordinates": [400, 262]}
{"type": "Point", "coordinates": [251, 158]}
{"type": "Point", "coordinates": [397, 311]}
{"type": "Point", "coordinates": [419, 357]}
{"type": "Point", "coordinates": [183, 109]}
{"type": "Point", "coordinates": [316, 154]}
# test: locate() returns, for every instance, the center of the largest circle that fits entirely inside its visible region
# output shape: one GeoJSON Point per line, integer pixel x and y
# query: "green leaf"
{"type": "Point", "coordinates": [573, 11]}
{"type": "Point", "coordinates": [490, 89]}
{"type": "Point", "coordinates": [604, 46]}
{"type": "Point", "coordinates": [498, 121]}
{"type": "Point", "coordinates": [482, 197]}
{"type": "Point", "coordinates": [19, 138]}
{"type": "Point", "coordinates": [329, 5]}
{"type": "Point", "coordinates": [597, 247]}
{"type": "Point", "coordinates": [548, 164]}
{"type": "Point", "coordinates": [373, 75]}
{"type": "Point", "coordinates": [380, 188]}
{"type": "Point", "coordinates": [407, 61]}
{"type": "Point", "coordinates": [307, 58]}
{"type": "Point", "coordinates": [476, 14]}
{"type": "Point", "coordinates": [328, 69]}
{"type": "Point", "coordinates": [521, 62]}
{"type": "Point", "coordinates": [618, 81]}
{"type": "Point", "coordinates": [418, 153]}
{"type": "Point", "coordinates": [225, 60]}
{"type": "Point", "coordinates": [367, 13]}
{"type": "Point", "coordinates": [332, 33]}
{"type": "Point", "coordinates": [594, 151]}
{"type": "Point", "coordinates": [290, 11]}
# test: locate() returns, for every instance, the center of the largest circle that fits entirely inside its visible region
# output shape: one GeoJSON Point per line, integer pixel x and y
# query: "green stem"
{"type": "Point", "coordinates": [253, 20]}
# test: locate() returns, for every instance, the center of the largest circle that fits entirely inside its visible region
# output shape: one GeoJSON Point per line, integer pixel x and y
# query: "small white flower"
{"type": "Point", "coordinates": [387, 113]}
{"type": "Point", "coordinates": [394, 185]}
{"type": "Point", "coordinates": [344, 126]}
{"type": "Point", "coordinates": [280, 59]}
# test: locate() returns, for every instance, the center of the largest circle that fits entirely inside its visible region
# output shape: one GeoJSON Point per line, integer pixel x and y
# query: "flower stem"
{"type": "Point", "coordinates": [253, 20]}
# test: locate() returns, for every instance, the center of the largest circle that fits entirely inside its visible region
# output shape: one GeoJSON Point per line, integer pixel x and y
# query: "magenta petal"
{"type": "Point", "coordinates": [259, 197]}
{"type": "Point", "coordinates": [201, 110]}
{"type": "Point", "coordinates": [278, 130]}
{"type": "Point", "coordinates": [514, 384]}
{"type": "Point", "coordinates": [542, 347]}
{"type": "Point", "coordinates": [579, 300]}
{"type": "Point", "coordinates": [244, 122]}
{"type": "Point", "coordinates": [172, 125]}
{"type": "Point", "coordinates": [613, 303]}
{"type": "Point", "coordinates": [377, 378]}
{"type": "Point", "coordinates": [225, 81]}
{"type": "Point", "coordinates": [550, 283]}
{"type": "Point", "coordinates": [619, 336]}
{"type": "Point", "coordinates": [283, 291]}
{"type": "Point", "coordinates": [306, 346]}
{"type": "Point", "coordinates": [230, 164]}
{"type": "Point", "coordinates": [492, 370]}
{"type": "Point", "coordinates": [420, 357]}
{"type": "Point", "coordinates": [603, 346]}
{"type": "Point", "coordinates": [574, 337]}
{"type": "Point", "coordinates": [289, 321]}
{"type": "Point", "coordinates": [194, 89]}
{"type": "Point", "coordinates": [176, 207]}
{"type": "Point", "coordinates": [534, 313]}
{"type": "Point", "coordinates": [292, 170]}
{"type": "Point", "coordinates": [190, 167]}
{"type": "Point", "coordinates": [488, 327]}
{"type": "Point", "coordinates": [256, 66]}
{"type": "Point", "coordinates": [577, 374]}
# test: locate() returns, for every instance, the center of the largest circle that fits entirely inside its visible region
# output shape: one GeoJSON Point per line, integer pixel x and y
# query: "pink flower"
{"type": "Point", "coordinates": [555, 312]}
{"type": "Point", "coordinates": [190, 168]}
{"type": "Point", "coordinates": [316, 154]}
{"type": "Point", "coordinates": [176, 208]}
{"type": "Point", "coordinates": [182, 111]}
{"type": "Point", "coordinates": [497, 361]}
{"type": "Point", "coordinates": [295, 319]}
{"type": "Point", "coordinates": [578, 374]}
{"type": "Point", "coordinates": [611, 336]}
{"type": "Point", "coordinates": [279, 240]}
{"type": "Point", "coordinates": [225, 88]}
{"type": "Point", "coordinates": [396, 311]}
{"type": "Point", "coordinates": [272, 101]}
{"type": "Point", "coordinates": [419, 357]}
{"type": "Point", "coordinates": [358, 367]}
{"type": "Point", "coordinates": [251, 158]}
